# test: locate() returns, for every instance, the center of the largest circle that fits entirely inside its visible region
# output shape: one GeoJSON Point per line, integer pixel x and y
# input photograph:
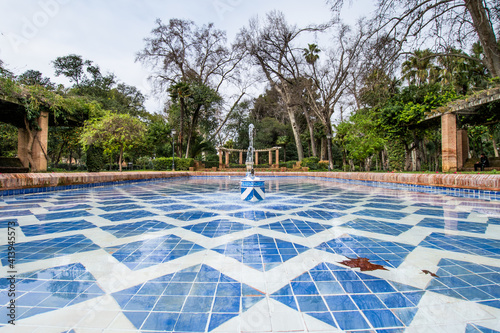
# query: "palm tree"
{"type": "Point", "coordinates": [419, 69]}
{"type": "Point", "coordinates": [311, 54]}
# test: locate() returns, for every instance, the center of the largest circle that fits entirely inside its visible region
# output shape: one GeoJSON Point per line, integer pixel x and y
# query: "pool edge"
{"type": "Point", "coordinates": [14, 184]}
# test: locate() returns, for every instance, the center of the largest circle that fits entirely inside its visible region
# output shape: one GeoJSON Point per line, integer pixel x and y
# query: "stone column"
{"type": "Point", "coordinates": [256, 157]}
{"type": "Point", "coordinates": [220, 158]}
{"type": "Point", "coordinates": [277, 157]}
{"type": "Point", "coordinates": [270, 158]}
{"type": "Point", "coordinates": [449, 142]}
{"type": "Point", "coordinates": [462, 148]}
{"type": "Point", "coordinates": [241, 157]}
{"type": "Point", "coordinates": [227, 158]}
{"type": "Point", "coordinates": [39, 151]}
{"type": "Point", "coordinates": [40, 147]}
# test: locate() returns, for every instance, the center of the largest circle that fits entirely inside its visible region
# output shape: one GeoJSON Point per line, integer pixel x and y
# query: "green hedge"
{"type": "Point", "coordinates": [211, 164]}
{"type": "Point", "coordinates": [165, 163]}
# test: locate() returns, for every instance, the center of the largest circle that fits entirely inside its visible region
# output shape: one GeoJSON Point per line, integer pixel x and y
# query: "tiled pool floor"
{"type": "Point", "coordinates": [190, 256]}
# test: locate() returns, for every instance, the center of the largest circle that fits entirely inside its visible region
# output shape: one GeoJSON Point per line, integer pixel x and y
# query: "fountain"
{"type": "Point", "coordinates": [252, 188]}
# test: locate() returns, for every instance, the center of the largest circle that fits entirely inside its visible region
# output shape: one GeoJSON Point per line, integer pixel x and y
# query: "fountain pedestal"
{"type": "Point", "coordinates": [252, 189]}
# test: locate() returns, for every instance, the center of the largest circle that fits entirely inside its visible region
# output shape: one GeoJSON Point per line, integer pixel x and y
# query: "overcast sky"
{"type": "Point", "coordinates": [110, 32]}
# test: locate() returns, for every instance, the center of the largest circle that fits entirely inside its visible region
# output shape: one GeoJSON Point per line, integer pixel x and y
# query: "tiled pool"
{"type": "Point", "coordinates": [190, 256]}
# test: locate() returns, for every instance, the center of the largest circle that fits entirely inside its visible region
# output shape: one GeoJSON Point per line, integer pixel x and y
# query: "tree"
{"type": "Point", "coordinates": [419, 68]}
{"type": "Point", "coordinates": [332, 78]}
{"type": "Point", "coordinates": [453, 22]}
{"type": "Point", "coordinates": [114, 132]}
{"type": "Point", "coordinates": [33, 77]}
{"type": "Point", "coordinates": [272, 48]}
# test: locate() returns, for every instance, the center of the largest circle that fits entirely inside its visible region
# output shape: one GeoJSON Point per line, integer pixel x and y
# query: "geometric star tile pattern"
{"type": "Point", "coordinates": [136, 228]}
{"type": "Point", "coordinates": [297, 227]}
{"type": "Point", "coordinates": [351, 300]}
{"type": "Point", "coordinates": [48, 248]}
{"type": "Point", "coordinates": [49, 289]}
{"type": "Point", "coordinates": [196, 299]}
{"type": "Point", "coordinates": [467, 281]}
{"type": "Point", "coordinates": [153, 251]}
{"type": "Point", "coordinates": [261, 252]}
{"type": "Point", "coordinates": [217, 228]}
{"type": "Point", "coordinates": [380, 227]}
{"type": "Point", "coordinates": [379, 252]}
{"type": "Point", "coordinates": [463, 244]}
{"type": "Point", "coordinates": [142, 228]}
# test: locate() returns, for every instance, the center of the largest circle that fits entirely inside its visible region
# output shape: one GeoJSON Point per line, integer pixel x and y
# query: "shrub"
{"type": "Point", "coordinates": [322, 165]}
{"type": "Point", "coordinates": [144, 162]}
{"type": "Point", "coordinates": [311, 163]}
{"type": "Point", "coordinates": [95, 158]}
{"type": "Point", "coordinates": [237, 166]}
{"type": "Point", "coordinates": [165, 163]}
{"type": "Point", "coordinates": [211, 164]}
{"type": "Point", "coordinates": [183, 163]}
{"type": "Point", "coordinates": [162, 163]}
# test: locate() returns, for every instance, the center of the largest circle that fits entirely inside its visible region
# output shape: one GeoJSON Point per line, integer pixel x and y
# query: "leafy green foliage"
{"type": "Point", "coordinates": [113, 132]}
{"type": "Point", "coordinates": [8, 141]}
{"type": "Point", "coordinates": [165, 163]}
{"type": "Point", "coordinates": [95, 158]}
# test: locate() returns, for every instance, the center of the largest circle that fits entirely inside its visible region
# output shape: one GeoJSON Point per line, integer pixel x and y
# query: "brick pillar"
{"type": "Point", "coordinates": [227, 158]}
{"type": "Point", "coordinates": [40, 147]}
{"type": "Point", "coordinates": [270, 158]}
{"type": "Point", "coordinates": [449, 142]}
{"type": "Point", "coordinates": [277, 157]}
{"type": "Point", "coordinates": [462, 148]}
{"type": "Point", "coordinates": [220, 158]}
{"type": "Point", "coordinates": [256, 158]}
{"type": "Point", "coordinates": [241, 157]}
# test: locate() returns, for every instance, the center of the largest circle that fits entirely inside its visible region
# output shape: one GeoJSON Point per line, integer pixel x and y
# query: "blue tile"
{"type": "Point", "coordinates": [123, 216]}
{"type": "Point", "coordinates": [380, 227]}
{"type": "Point", "coordinates": [150, 252]}
{"type": "Point", "coordinates": [378, 251]}
{"type": "Point", "coordinates": [463, 244]}
{"type": "Point", "coordinates": [136, 228]}
{"type": "Point", "coordinates": [56, 227]}
{"type": "Point", "coordinates": [255, 215]}
{"type": "Point", "coordinates": [311, 303]}
{"type": "Point", "coordinates": [340, 303]}
{"type": "Point", "coordinates": [453, 225]}
{"type": "Point", "coordinates": [191, 215]}
{"type": "Point", "coordinates": [62, 215]}
{"type": "Point", "coordinates": [319, 214]}
{"type": "Point", "coordinates": [368, 302]}
{"type": "Point", "coordinates": [49, 248]}
{"type": "Point", "coordinates": [217, 228]}
{"type": "Point", "coordinates": [180, 307]}
{"type": "Point", "coordinates": [297, 227]}
{"type": "Point", "coordinates": [254, 251]}
{"type": "Point", "coordinates": [111, 208]}
{"type": "Point", "coordinates": [386, 214]}
{"type": "Point", "coordinates": [351, 320]}
{"type": "Point", "coordinates": [382, 318]}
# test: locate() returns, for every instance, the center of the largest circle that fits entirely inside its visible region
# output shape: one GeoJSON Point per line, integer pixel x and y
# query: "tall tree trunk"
{"type": "Point", "coordinates": [329, 145]}
{"type": "Point", "coordinates": [486, 35]}
{"type": "Point", "coordinates": [295, 130]}
{"type": "Point", "coordinates": [181, 129]}
{"type": "Point", "coordinates": [120, 158]}
{"type": "Point", "coordinates": [491, 129]}
{"type": "Point", "coordinates": [191, 129]}
{"type": "Point", "coordinates": [310, 125]}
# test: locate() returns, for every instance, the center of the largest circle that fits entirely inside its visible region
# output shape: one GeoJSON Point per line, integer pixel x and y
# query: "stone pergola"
{"type": "Point", "coordinates": [13, 113]}
{"type": "Point", "coordinates": [455, 142]}
{"type": "Point", "coordinates": [227, 151]}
